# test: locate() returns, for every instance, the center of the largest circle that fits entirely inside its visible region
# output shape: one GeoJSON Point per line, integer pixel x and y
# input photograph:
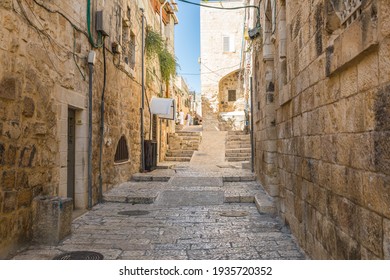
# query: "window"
{"type": "Point", "coordinates": [231, 95]}
{"type": "Point", "coordinates": [122, 153]}
{"type": "Point", "coordinates": [347, 11]}
{"type": "Point", "coordinates": [154, 128]}
{"type": "Point", "coordinates": [228, 44]}
{"type": "Point", "coordinates": [132, 51]}
{"type": "Point", "coordinates": [128, 41]}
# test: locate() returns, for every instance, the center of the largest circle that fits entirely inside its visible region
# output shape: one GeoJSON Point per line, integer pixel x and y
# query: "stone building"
{"type": "Point", "coordinates": [182, 95]}
{"type": "Point", "coordinates": [44, 102]}
{"type": "Point", "coordinates": [221, 51]}
{"type": "Point", "coordinates": [321, 114]}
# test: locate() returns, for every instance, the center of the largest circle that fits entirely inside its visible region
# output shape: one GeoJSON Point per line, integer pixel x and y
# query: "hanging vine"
{"type": "Point", "coordinates": [154, 46]}
{"type": "Point", "coordinates": [167, 65]}
{"type": "Point", "coordinates": [154, 43]}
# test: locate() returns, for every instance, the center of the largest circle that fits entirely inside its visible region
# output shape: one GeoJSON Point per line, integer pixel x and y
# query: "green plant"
{"type": "Point", "coordinates": [167, 65]}
{"type": "Point", "coordinates": [154, 43]}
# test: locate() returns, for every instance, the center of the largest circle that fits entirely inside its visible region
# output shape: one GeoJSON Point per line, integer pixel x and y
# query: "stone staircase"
{"type": "Point", "coordinates": [238, 146]}
{"type": "Point", "coordinates": [182, 144]}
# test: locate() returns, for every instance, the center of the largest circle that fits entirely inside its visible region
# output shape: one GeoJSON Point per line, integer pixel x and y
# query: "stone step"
{"type": "Point", "coordinates": [243, 154]}
{"type": "Point", "coordinates": [238, 150]}
{"type": "Point", "coordinates": [184, 133]}
{"type": "Point", "coordinates": [239, 178]}
{"type": "Point", "coordinates": [237, 133]}
{"type": "Point", "coordinates": [265, 204]}
{"type": "Point", "coordinates": [238, 137]}
{"type": "Point", "coordinates": [179, 153]}
{"type": "Point", "coordinates": [145, 177]}
{"type": "Point", "coordinates": [238, 145]}
{"type": "Point", "coordinates": [182, 159]}
{"type": "Point", "coordinates": [237, 142]}
{"type": "Point", "coordinates": [188, 147]}
{"type": "Point", "coordinates": [236, 159]}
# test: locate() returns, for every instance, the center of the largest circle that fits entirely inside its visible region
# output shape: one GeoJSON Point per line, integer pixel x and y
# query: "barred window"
{"type": "Point", "coordinates": [132, 51]}
{"type": "Point", "coordinates": [122, 153]}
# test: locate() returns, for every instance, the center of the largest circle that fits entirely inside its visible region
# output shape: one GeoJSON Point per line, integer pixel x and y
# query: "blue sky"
{"type": "Point", "coordinates": [187, 44]}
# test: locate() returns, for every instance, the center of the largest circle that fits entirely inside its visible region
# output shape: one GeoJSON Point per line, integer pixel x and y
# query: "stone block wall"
{"type": "Point", "coordinates": [332, 134]}
{"type": "Point", "coordinates": [218, 63]}
{"type": "Point", "coordinates": [44, 72]}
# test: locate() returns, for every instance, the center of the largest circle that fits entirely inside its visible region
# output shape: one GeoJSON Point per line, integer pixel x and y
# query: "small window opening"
{"type": "Point", "coordinates": [232, 95]}
{"type": "Point", "coordinates": [122, 153]}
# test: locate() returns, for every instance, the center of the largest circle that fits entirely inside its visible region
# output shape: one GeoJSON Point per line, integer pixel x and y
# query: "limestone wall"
{"type": "Point", "coordinates": [43, 74]}
{"type": "Point", "coordinates": [322, 125]}
{"type": "Point", "coordinates": [218, 56]}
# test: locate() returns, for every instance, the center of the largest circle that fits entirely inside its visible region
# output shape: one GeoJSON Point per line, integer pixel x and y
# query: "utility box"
{"type": "Point", "coordinates": [150, 153]}
{"type": "Point", "coordinates": [102, 23]}
{"type": "Point", "coordinates": [52, 219]}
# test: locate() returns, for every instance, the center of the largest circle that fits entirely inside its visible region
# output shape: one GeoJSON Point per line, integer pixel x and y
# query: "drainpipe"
{"type": "Point", "coordinates": [100, 198]}
{"type": "Point", "coordinates": [91, 63]}
{"type": "Point", "coordinates": [252, 138]}
{"type": "Point", "coordinates": [143, 93]}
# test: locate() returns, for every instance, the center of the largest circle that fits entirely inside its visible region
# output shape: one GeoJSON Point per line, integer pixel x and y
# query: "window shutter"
{"type": "Point", "coordinates": [226, 43]}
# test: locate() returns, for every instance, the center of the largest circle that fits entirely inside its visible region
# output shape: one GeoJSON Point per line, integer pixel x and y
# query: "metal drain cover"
{"type": "Point", "coordinates": [234, 214]}
{"type": "Point", "coordinates": [134, 213]}
{"type": "Point", "coordinates": [80, 255]}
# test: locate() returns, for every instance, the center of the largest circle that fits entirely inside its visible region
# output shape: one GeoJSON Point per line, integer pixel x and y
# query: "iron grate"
{"type": "Point", "coordinates": [80, 255]}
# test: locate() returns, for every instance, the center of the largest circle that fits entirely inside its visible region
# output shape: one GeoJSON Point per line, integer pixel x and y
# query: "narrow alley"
{"type": "Point", "coordinates": [195, 130]}
{"type": "Point", "coordinates": [204, 209]}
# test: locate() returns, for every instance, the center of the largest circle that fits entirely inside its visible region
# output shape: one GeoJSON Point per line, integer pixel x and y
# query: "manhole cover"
{"type": "Point", "coordinates": [80, 255]}
{"type": "Point", "coordinates": [234, 214]}
{"type": "Point", "coordinates": [134, 213]}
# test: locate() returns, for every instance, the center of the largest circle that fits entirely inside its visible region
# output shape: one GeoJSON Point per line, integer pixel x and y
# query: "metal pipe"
{"type": "Point", "coordinates": [252, 138]}
{"type": "Point", "coordinates": [143, 93]}
{"type": "Point", "coordinates": [90, 66]}
{"type": "Point", "coordinates": [100, 198]}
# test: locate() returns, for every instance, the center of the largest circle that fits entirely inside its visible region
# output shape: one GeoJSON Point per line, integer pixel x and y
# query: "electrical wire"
{"type": "Point", "coordinates": [61, 14]}
{"type": "Point", "coordinates": [225, 8]}
{"type": "Point", "coordinates": [204, 73]}
{"type": "Point", "coordinates": [74, 53]}
{"type": "Point", "coordinates": [39, 31]}
{"type": "Point", "coordinates": [99, 43]}
{"type": "Point", "coordinates": [215, 71]}
{"type": "Point", "coordinates": [51, 40]}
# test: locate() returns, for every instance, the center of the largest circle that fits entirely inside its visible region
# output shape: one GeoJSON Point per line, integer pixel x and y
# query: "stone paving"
{"type": "Point", "coordinates": [205, 209]}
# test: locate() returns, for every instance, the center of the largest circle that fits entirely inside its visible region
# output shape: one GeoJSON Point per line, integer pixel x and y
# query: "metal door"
{"type": "Point", "coordinates": [71, 154]}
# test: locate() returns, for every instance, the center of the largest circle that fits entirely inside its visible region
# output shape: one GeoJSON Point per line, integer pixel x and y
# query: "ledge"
{"type": "Point", "coordinates": [358, 38]}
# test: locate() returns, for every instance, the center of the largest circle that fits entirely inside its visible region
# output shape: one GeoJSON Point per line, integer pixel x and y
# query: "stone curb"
{"type": "Point", "coordinates": [239, 199]}
{"type": "Point", "coordinates": [264, 204]}
{"type": "Point", "coordinates": [139, 177]}
{"type": "Point", "coordinates": [130, 199]}
{"type": "Point", "coordinates": [248, 178]}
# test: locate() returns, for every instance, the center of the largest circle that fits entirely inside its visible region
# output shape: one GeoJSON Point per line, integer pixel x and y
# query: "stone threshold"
{"type": "Point", "coordinates": [142, 177]}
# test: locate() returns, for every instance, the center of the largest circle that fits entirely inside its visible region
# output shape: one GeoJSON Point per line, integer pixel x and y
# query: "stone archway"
{"type": "Point", "coordinates": [230, 90]}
